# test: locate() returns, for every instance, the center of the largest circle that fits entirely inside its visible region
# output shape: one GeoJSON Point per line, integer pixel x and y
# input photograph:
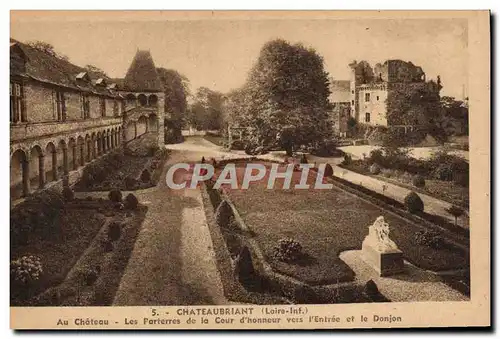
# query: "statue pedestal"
{"type": "Point", "coordinates": [385, 263]}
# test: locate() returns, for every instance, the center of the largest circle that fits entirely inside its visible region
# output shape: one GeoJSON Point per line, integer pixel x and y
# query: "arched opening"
{"type": "Point", "coordinates": [130, 131]}
{"type": "Point", "coordinates": [51, 162]}
{"type": "Point", "coordinates": [37, 177]}
{"type": "Point", "coordinates": [80, 145]}
{"type": "Point", "coordinates": [153, 123]}
{"type": "Point", "coordinates": [142, 125]}
{"type": "Point", "coordinates": [93, 147]}
{"type": "Point", "coordinates": [130, 101]}
{"type": "Point", "coordinates": [62, 157]}
{"type": "Point", "coordinates": [119, 135]}
{"type": "Point", "coordinates": [153, 100]}
{"type": "Point", "coordinates": [88, 148]}
{"type": "Point", "coordinates": [19, 175]}
{"type": "Point", "coordinates": [72, 155]}
{"type": "Point", "coordinates": [98, 144]}
{"type": "Point", "coordinates": [143, 100]}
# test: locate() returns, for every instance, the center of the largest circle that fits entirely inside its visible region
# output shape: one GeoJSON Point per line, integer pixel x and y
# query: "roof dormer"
{"type": "Point", "coordinates": [101, 82]}
{"type": "Point", "coordinates": [83, 76]}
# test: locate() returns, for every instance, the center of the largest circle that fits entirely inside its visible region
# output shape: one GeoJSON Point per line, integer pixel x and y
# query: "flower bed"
{"type": "Point", "coordinates": [123, 171]}
{"type": "Point", "coordinates": [327, 222]}
{"type": "Point", "coordinates": [71, 249]}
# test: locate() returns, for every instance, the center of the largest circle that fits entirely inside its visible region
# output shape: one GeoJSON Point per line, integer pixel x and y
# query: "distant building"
{"type": "Point", "coordinates": [62, 117]}
{"type": "Point", "coordinates": [369, 92]}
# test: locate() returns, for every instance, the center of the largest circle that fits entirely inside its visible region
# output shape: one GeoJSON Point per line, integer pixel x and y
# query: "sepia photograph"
{"type": "Point", "coordinates": [248, 169]}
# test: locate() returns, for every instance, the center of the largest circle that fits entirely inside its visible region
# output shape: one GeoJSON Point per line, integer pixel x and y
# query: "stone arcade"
{"type": "Point", "coordinates": [63, 116]}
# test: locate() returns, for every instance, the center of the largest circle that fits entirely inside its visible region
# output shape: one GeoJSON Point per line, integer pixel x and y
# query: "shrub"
{"type": "Point", "coordinates": [461, 179]}
{"type": "Point", "coordinates": [376, 157]}
{"type": "Point", "coordinates": [429, 238]}
{"type": "Point", "coordinates": [303, 159]}
{"type": "Point", "coordinates": [68, 194]}
{"type": "Point", "coordinates": [107, 246]}
{"type": "Point", "coordinates": [90, 275]}
{"type": "Point", "coordinates": [456, 212]}
{"type": "Point", "coordinates": [347, 159]}
{"type": "Point", "coordinates": [243, 266]}
{"type": "Point", "coordinates": [130, 183]}
{"type": "Point", "coordinates": [237, 145]}
{"type": "Point", "coordinates": [89, 198]}
{"type": "Point", "coordinates": [26, 269]}
{"type": "Point", "coordinates": [223, 214]}
{"type": "Point", "coordinates": [131, 202]}
{"type": "Point", "coordinates": [444, 173]}
{"type": "Point", "coordinates": [413, 203]}
{"type": "Point", "coordinates": [115, 195]}
{"type": "Point", "coordinates": [374, 169]}
{"type": "Point", "coordinates": [325, 148]}
{"type": "Point", "coordinates": [145, 176]}
{"type": "Point", "coordinates": [114, 231]}
{"type": "Point", "coordinates": [328, 171]}
{"type": "Point", "coordinates": [387, 172]}
{"type": "Point", "coordinates": [288, 250]}
{"type": "Point", "coordinates": [418, 181]}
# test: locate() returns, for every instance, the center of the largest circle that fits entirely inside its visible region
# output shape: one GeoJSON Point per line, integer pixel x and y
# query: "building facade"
{"type": "Point", "coordinates": [62, 117]}
{"type": "Point", "coordinates": [371, 90]}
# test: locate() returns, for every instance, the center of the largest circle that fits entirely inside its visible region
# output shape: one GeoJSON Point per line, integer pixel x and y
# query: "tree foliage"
{"type": "Point", "coordinates": [177, 91]}
{"type": "Point", "coordinates": [206, 111]}
{"type": "Point", "coordinates": [285, 98]}
{"type": "Point", "coordinates": [96, 71]}
{"type": "Point", "coordinates": [46, 48]}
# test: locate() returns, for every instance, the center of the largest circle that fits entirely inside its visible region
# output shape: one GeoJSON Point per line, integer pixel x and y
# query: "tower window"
{"type": "Point", "coordinates": [367, 117]}
{"type": "Point", "coordinates": [367, 97]}
{"type": "Point", "coordinates": [378, 98]}
{"type": "Point", "coordinates": [352, 102]}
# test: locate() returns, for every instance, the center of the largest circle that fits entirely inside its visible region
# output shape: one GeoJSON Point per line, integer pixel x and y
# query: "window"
{"type": "Point", "coordinates": [378, 98]}
{"type": "Point", "coordinates": [352, 91]}
{"type": "Point", "coordinates": [59, 105]}
{"type": "Point", "coordinates": [352, 102]}
{"type": "Point", "coordinates": [85, 106]}
{"type": "Point", "coordinates": [102, 105]}
{"type": "Point", "coordinates": [17, 111]}
{"type": "Point", "coordinates": [367, 117]}
{"type": "Point", "coordinates": [367, 97]}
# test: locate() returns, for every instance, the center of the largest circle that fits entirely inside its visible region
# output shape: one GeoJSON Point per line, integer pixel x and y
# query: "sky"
{"type": "Point", "coordinates": [218, 53]}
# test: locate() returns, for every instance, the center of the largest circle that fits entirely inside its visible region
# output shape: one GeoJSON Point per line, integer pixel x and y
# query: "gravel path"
{"type": "Point", "coordinates": [173, 260]}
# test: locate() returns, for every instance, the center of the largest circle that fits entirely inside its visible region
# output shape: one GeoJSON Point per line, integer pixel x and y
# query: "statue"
{"type": "Point", "coordinates": [378, 236]}
{"type": "Point", "coordinates": [380, 252]}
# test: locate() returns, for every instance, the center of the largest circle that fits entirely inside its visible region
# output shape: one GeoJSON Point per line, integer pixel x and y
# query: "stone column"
{"type": "Point", "coordinates": [26, 177]}
{"type": "Point", "coordinates": [55, 175]}
{"type": "Point", "coordinates": [41, 171]}
{"type": "Point", "coordinates": [135, 129]}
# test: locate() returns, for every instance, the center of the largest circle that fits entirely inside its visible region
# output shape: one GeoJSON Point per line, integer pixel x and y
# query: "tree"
{"type": "Point", "coordinates": [285, 97]}
{"type": "Point", "coordinates": [96, 71]}
{"type": "Point", "coordinates": [176, 89]}
{"type": "Point", "coordinates": [206, 112]}
{"type": "Point", "coordinates": [456, 212]}
{"type": "Point", "coordinates": [454, 115]}
{"type": "Point", "coordinates": [46, 48]}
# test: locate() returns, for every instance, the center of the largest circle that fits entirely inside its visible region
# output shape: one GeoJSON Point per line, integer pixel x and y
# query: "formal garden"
{"type": "Point", "coordinates": [71, 252]}
{"type": "Point", "coordinates": [444, 175]}
{"type": "Point", "coordinates": [286, 242]}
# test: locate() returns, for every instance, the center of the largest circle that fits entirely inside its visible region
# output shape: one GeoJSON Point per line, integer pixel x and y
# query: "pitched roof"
{"type": "Point", "coordinates": [142, 75]}
{"type": "Point", "coordinates": [44, 67]}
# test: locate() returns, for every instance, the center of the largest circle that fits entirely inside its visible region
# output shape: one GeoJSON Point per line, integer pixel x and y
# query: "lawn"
{"type": "Point", "coordinates": [327, 222]}
{"type": "Point", "coordinates": [215, 139]}
{"type": "Point", "coordinates": [58, 251]}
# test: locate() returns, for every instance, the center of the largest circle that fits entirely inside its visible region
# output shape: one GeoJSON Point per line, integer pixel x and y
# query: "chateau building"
{"type": "Point", "coordinates": [62, 116]}
{"type": "Point", "coordinates": [369, 91]}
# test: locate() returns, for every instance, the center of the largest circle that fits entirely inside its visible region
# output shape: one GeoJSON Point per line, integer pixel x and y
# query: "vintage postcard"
{"type": "Point", "coordinates": [249, 170]}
